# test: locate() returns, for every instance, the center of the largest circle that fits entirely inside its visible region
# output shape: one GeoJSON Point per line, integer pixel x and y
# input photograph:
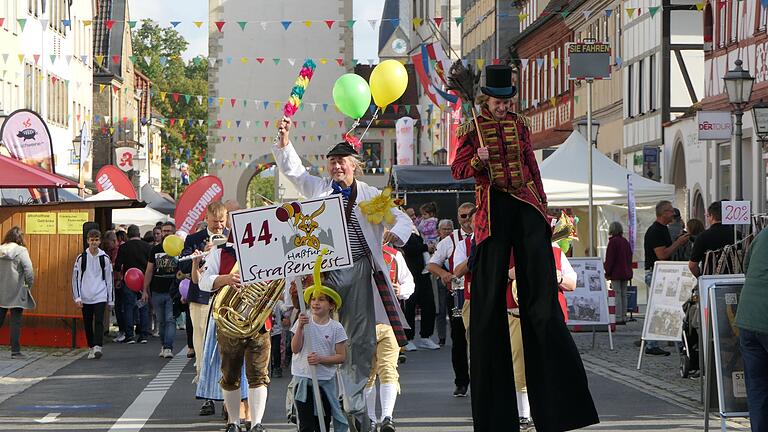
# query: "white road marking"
{"type": "Point", "coordinates": [136, 416]}
{"type": "Point", "coordinates": [49, 418]}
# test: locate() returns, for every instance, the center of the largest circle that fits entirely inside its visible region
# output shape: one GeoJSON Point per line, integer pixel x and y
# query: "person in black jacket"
{"type": "Point", "coordinates": [414, 251]}
{"type": "Point", "coordinates": [199, 301]}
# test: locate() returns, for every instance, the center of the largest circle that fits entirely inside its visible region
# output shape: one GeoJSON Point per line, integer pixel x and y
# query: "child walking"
{"type": "Point", "coordinates": [328, 348]}
{"type": "Point", "coordinates": [92, 291]}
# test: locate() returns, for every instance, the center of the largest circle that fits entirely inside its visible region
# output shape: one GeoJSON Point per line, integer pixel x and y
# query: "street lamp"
{"type": "Point", "coordinates": [175, 173]}
{"type": "Point", "coordinates": [760, 117]}
{"type": "Point", "coordinates": [738, 85]}
{"type": "Point", "coordinates": [589, 128]}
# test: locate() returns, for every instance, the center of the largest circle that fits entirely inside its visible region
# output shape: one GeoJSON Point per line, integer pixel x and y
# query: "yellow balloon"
{"type": "Point", "coordinates": [388, 82]}
{"type": "Point", "coordinates": [173, 245]}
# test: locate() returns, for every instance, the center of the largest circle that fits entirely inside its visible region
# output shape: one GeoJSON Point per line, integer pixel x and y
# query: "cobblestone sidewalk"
{"type": "Point", "coordinates": [17, 375]}
{"type": "Point", "coordinates": [658, 374]}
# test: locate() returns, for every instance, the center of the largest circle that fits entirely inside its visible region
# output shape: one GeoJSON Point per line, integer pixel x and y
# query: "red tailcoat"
{"type": "Point", "coordinates": [513, 166]}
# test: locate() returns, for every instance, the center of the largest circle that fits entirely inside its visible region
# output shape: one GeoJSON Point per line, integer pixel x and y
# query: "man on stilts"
{"type": "Point", "coordinates": [496, 150]}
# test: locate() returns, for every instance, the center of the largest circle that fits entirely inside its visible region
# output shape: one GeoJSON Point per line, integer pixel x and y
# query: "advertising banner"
{"type": "Point", "coordinates": [85, 152]}
{"type": "Point", "coordinates": [26, 137]}
{"type": "Point", "coordinates": [404, 138]}
{"type": "Point", "coordinates": [124, 157]}
{"type": "Point", "coordinates": [714, 125]}
{"type": "Point", "coordinates": [110, 177]}
{"type": "Point", "coordinates": [190, 208]}
{"type": "Point", "coordinates": [282, 241]}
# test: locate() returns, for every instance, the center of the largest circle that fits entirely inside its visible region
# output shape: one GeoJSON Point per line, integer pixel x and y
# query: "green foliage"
{"type": "Point", "coordinates": [260, 186]}
{"type": "Point", "coordinates": [173, 78]}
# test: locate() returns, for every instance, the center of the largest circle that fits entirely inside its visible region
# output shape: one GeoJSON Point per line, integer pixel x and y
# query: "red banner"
{"type": "Point", "coordinates": [191, 206]}
{"type": "Point", "coordinates": [110, 177]}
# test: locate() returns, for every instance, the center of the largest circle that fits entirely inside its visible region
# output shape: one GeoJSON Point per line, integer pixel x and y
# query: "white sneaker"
{"type": "Point", "coordinates": [426, 343]}
{"type": "Point", "coordinates": [411, 347]}
{"type": "Point", "coordinates": [91, 354]}
{"type": "Point", "coordinates": [97, 352]}
{"type": "Point", "coordinates": [120, 338]}
{"type": "Point", "coordinates": [168, 353]}
{"type": "Point", "coordinates": [162, 352]}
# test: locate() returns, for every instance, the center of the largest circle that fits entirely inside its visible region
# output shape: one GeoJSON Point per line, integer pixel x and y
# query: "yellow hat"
{"type": "Point", "coordinates": [318, 288]}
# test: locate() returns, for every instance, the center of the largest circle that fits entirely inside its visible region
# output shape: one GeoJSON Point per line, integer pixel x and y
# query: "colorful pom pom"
{"type": "Point", "coordinates": [299, 88]}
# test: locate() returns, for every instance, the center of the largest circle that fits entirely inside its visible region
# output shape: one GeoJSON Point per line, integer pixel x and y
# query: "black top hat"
{"type": "Point", "coordinates": [342, 149]}
{"type": "Point", "coordinates": [498, 82]}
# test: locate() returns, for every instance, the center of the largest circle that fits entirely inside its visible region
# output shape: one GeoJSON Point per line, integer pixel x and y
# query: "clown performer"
{"type": "Point", "coordinates": [363, 308]}
{"type": "Point", "coordinates": [496, 150]}
{"type": "Point", "coordinates": [387, 350]}
{"type": "Point", "coordinates": [221, 269]}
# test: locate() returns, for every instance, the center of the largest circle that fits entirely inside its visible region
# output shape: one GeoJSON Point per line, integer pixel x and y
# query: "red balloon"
{"type": "Point", "coordinates": [282, 214]}
{"type": "Point", "coordinates": [134, 279]}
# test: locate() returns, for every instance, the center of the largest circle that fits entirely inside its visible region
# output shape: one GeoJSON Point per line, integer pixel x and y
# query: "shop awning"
{"type": "Point", "coordinates": [15, 174]}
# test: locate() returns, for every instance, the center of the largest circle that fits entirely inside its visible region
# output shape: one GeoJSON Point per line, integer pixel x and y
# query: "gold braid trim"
{"type": "Point", "coordinates": [465, 128]}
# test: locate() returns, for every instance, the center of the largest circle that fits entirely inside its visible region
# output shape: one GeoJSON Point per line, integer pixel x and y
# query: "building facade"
{"type": "Point", "coordinates": [45, 47]}
{"type": "Point", "coordinates": [246, 95]}
{"type": "Point", "coordinates": [601, 20]}
{"type": "Point", "coordinates": [735, 31]}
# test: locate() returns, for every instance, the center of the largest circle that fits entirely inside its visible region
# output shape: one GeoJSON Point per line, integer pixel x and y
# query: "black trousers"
{"type": "Point", "coordinates": [93, 321]}
{"type": "Point", "coordinates": [459, 359]}
{"type": "Point", "coordinates": [422, 296]}
{"type": "Point", "coordinates": [557, 383]}
{"type": "Point", "coordinates": [308, 422]}
{"type": "Point", "coordinates": [16, 314]}
{"type": "Point", "coordinates": [276, 360]}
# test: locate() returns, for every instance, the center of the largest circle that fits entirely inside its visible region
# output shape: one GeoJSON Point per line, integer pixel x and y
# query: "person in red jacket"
{"type": "Point", "coordinates": [511, 203]}
{"type": "Point", "coordinates": [618, 268]}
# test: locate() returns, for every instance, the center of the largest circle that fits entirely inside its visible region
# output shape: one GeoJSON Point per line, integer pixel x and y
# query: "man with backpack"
{"type": "Point", "coordinates": [92, 291]}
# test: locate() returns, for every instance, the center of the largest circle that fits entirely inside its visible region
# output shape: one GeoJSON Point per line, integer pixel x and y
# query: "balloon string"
{"type": "Point", "coordinates": [373, 118]}
{"type": "Point", "coordinates": [354, 126]}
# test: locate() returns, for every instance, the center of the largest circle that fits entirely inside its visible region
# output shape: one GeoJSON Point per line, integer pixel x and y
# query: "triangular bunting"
{"type": "Point", "coordinates": [586, 14]}
{"type": "Point", "coordinates": [459, 20]}
{"type": "Point", "coordinates": [197, 24]}
{"type": "Point", "coordinates": [110, 24]}
{"type": "Point", "coordinates": [438, 21]}
{"type": "Point", "coordinates": [175, 23]}
{"type": "Point", "coordinates": [308, 24]}
{"type": "Point", "coordinates": [417, 22]}
{"type": "Point", "coordinates": [242, 24]}
{"type": "Point", "coordinates": [285, 24]}
{"type": "Point", "coordinates": [132, 24]}
{"type": "Point", "coordinates": [22, 23]}
{"type": "Point", "coordinates": [652, 10]}
{"type": "Point", "coordinates": [220, 25]}
{"type": "Point", "coordinates": [630, 12]}
{"type": "Point", "coordinates": [329, 23]}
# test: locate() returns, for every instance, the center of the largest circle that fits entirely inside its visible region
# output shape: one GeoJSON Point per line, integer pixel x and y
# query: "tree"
{"type": "Point", "coordinates": [176, 87]}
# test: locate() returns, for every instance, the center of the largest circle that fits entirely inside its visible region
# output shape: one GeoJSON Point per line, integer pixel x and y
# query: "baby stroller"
{"type": "Point", "coordinates": [689, 349]}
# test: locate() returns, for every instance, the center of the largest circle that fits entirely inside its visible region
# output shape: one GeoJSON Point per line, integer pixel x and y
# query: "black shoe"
{"type": "Point", "coordinates": [18, 356]}
{"type": "Point", "coordinates": [656, 351]}
{"type": "Point", "coordinates": [142, 340]}
{"type": "Point", "coordinates": [257, 428]}
{"type": "Point", "coordinates": [387, 425]}
{"type": "Point", "coordinates": [402, 358]}
{"type": "Point", "coordinates": [441, 342]}
{"type": "Point", "coordinates": [232, 427]}
{"type": "Point", "coordinates": [208, 408]}
{"type": "Point", "coordinates": [245, 425]}
{"type": "Point", "coordinates": [526, 424]}
{"type": "Point", "coordinates": [461, 391]}
{"type": "Point", "coordinates": [278, 373]}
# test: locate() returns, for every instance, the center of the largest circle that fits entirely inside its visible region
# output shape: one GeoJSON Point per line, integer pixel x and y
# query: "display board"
{"type": "Point", "coordinates": [588, 303]}
{"type": "Point", "coordinates": [705, 283]}
{"type": "Point", "coordinates": [729, 366]}
{"type": "Point", "coordinates": [282, 241]}
{"type": "Point", "coordinates": [671, 286]}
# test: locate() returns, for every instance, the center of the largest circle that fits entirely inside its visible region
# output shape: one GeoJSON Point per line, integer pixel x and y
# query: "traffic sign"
{"type": "Point", "coordinates": [588, 60]}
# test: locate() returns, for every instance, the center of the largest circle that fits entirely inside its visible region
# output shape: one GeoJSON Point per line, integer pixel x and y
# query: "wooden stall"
{"type": "Point", "coordinates": [54, 236]}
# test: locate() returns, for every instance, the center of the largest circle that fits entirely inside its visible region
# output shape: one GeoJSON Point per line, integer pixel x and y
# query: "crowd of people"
{"type": "Point", "coordinates": [344, 338]}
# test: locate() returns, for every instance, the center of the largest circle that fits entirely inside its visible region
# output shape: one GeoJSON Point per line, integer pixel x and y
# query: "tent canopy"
{"type": "Point", "coordinates": [15, 174]}
{"type": "Point", "coordinates": [107, 195]}
{"type": "Point", "coordinates": [411, 178]}
{"type": "Point", "coordinates": [156, 201]}
{"type": "Point", "coordinates": [143, 217]}
{"type": "Point", "coordinates": [565, 174]}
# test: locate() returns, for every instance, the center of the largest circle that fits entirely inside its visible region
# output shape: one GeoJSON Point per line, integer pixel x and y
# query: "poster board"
{"type": "Point", "coordinates": [729, 366]}
{"type": "Point", "coordinates": [705, 283]}
{"type": "Point", "coordinates": [281, 241]}
{"type": "Point", "coordinates": [671, 286]}
{"type": "Point", "coordinates": [40, 223]}
{"type": "Point", "coordinates": [588, 303]}
{"type": "Point", "coordinates": [72, 222]}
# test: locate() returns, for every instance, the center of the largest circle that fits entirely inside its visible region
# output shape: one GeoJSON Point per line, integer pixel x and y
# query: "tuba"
{"type": "Point", "coordinates": [240, 314]}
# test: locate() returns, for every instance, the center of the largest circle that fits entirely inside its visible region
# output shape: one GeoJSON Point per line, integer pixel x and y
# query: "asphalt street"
{"type": "Point", "coordinates": [132, 389]}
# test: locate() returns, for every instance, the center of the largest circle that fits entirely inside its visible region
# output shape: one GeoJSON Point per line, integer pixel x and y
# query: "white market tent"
{"type": "Point", "coordinates": [145, 218]}
{"type": "Point", "coordinates": [565, 175]}
{"type": "Point", "coordinates": [107, 195]}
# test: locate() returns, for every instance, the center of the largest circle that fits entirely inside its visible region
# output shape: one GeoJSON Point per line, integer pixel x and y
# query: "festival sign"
{"type": "Point", "coordinates": [72, 222]}
{"type": "Point", "coordinates": [26, 136]}
{"type": "Point", "coordinates": [191, 206]}
{"type": "Point", "coordinates": [283, 241]}
{"type": "Point", "coordinates": [110, 177]}
{"type": "Point", "coordinates": [40, 223]}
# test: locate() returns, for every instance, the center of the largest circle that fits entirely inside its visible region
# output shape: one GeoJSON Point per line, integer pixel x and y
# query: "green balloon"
{"type": "Point", "coordinates": [352, 95]}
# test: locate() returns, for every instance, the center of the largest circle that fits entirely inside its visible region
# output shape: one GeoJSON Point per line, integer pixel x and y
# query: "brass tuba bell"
{"type": "Point", "coordinates": [241, 313]}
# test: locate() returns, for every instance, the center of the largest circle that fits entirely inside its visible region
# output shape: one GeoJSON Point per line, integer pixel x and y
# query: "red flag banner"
{"type": "Point", "coordinates": [25, 134]}
{"type": "Point", "coordinates": [191, 206]}
{"type": "Point", "coordinates": [110, 177]}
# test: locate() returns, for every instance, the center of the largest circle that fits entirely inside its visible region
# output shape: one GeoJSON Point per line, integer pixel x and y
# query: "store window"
{"type": "Point", "coordinates": [372, 158]}
{"type": "Point", "coordinates": [724, 171]}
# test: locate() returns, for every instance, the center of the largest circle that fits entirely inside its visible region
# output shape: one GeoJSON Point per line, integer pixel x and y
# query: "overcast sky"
{"type": "Point", "coordinates": [187, 11]}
